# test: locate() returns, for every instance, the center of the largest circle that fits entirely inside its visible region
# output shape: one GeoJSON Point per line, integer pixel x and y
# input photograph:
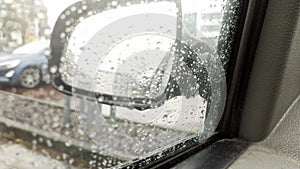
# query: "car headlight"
{"type": "Point", "coordinates": [10, 74]}
{"type": "Point", "coordinates": [10, 64]}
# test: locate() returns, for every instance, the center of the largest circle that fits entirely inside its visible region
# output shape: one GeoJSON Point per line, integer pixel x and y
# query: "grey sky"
{"type": "Point", "coordinates": [55, 7]}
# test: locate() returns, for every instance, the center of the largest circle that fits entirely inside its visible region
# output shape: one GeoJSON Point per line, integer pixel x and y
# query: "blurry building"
{"type": "Point", "coordinates": [202, 19]}
{"type": "Point", "coordinates": [21, 21]}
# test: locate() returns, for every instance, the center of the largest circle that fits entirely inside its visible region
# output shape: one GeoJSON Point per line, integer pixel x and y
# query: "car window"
{"type": "Point", "coordinates": [125, 83]}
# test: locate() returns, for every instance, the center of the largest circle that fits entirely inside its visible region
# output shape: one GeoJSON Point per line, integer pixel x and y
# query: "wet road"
{"type": "Point", "coordinates": [17, 156]}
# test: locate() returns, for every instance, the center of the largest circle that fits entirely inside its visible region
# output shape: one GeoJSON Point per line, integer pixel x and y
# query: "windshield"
{"type": "Point", "coordinates": [32, 48]}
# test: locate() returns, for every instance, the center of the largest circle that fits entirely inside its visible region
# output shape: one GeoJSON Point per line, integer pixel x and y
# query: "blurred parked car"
{"type": "Point", "coordinates": [25, 66]}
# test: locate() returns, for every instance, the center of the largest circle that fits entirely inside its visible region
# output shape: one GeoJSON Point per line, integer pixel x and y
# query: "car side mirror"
{"type": "Point", "coordinates": [114, 53]}
{"type": "Point", "coordinates": [136, 54]}
{"type": "Point", "coordinates": [128, 54]}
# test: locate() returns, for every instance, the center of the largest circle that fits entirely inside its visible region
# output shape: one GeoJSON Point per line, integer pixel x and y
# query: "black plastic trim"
{"type": "Point", "coordinates": [168, 158]}
{"type": "Point", "coordinates": [241, 64]}
{"type": "Point", "coordinates": [218, 155]}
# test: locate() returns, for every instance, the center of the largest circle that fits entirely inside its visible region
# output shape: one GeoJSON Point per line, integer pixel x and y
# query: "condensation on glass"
{"type": "Point", "coordinates": [143, 50]}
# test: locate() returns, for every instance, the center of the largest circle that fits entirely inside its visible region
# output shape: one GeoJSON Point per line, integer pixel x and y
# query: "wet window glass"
{"type": "Point", "coordinates": [101, 84]}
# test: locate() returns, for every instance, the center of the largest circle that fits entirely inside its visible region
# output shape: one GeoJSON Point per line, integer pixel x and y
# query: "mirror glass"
{"type": "Point", "coordinates": [132, 62]}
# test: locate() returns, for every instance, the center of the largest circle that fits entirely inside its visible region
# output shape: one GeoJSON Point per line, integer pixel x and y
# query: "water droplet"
{"type": "Point", "coordinates": [114, 3]}
{"type": "Point", "coordinates": [53, 69]}
{"type": "Point", "coordinates": [62, 35]}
